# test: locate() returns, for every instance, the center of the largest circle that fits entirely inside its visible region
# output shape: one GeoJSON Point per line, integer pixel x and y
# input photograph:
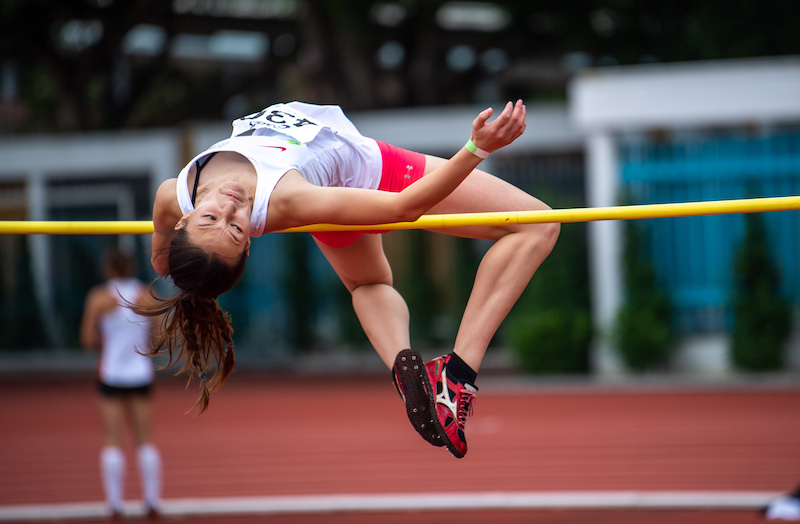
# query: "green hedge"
{"type": "Point", "coordinates": [550, 327]}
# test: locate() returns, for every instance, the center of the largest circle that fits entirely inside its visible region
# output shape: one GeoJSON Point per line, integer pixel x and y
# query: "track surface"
{"type": "Point", "coordinates": [281, 436]}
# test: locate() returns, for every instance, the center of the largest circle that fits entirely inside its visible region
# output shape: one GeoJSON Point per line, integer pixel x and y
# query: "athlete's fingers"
{"type": "Point", "coordinates": [481, 119]}
{"type": "Point", "coordinates": [506, 128]}
{"type": "Point", "coordinates": [513, 123]}
{"type": "Point", "coordinates": [518, 118]}
{"type": "Point", "coordinates": [504, 117]}
{"type": "Point", "coordinates": [515, 113]}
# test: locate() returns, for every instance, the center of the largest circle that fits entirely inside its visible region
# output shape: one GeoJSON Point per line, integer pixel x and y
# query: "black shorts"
{"type": "Point", "coordinates": [114, 391]}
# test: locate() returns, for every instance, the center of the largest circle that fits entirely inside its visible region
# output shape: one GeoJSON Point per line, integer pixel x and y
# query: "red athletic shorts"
{"type": "Point", "coordinates": [401, 168]}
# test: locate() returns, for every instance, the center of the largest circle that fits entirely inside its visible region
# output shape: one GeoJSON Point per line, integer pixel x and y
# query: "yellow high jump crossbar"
{"type": "Point", "coordinates": [631, 212]}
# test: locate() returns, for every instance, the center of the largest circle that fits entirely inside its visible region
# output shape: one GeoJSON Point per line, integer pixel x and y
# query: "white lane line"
{"type": "Point", "coordinates": [306, 504]}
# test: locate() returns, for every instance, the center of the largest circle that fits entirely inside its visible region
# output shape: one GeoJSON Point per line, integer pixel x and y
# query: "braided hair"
{"type": "Point", "coordinates": [193, 324]}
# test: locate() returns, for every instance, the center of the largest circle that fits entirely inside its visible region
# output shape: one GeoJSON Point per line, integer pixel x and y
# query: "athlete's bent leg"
{"type": "Point", "coordinates": [502, 276]}
{"type": "Point", "coordinates": [507, 266]}
{"type": "Point", "coordinates": [365, 272]}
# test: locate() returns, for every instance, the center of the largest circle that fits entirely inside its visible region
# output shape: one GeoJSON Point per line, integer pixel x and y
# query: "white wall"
{"type": "Point", "coordinates": [36, 161]}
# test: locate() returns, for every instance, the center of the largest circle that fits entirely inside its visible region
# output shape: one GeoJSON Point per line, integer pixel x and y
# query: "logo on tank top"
{"type": "Point", "coordinates": [409, 169]}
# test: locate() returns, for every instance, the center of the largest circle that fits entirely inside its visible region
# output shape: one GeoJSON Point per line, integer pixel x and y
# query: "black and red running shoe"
{"type": "Point", "coordinates": [453, 403]}
{"type": "Point", "coordinates": [412, 383]}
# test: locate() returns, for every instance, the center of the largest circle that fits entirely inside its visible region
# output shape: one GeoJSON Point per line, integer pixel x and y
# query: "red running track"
{"type": "Point", "coordinates": [273, 436]}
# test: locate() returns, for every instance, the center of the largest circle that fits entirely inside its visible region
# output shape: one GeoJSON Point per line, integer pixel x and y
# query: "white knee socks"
{"type": "Point", "coordinates": [112, 468]}
{"type": "Point", "coordinates": [150, 475]}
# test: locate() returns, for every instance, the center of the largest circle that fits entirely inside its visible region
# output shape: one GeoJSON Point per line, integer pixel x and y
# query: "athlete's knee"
{"type": "Point", "coordinates": [367, 280]}
{"type": "Point", "coordinates": [537, 238]}
{"type": "Point", "coordinates": [545, 235]}
{"type": "Point", "coordinates": [548, 234]}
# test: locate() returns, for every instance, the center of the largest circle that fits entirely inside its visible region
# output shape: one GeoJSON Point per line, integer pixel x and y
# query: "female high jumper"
{"type": "Point", "coordinates": [298, 164]}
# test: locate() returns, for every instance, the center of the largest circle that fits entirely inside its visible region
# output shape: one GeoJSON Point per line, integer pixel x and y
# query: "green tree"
{"type": "Point", "coordinates": [643, 330]}
{"type": "Point", "coordinates": [762, 318]}
{"type": "Point", "coordinates": [73, 72]}
{"type": "Point", "coordinates": [21, 321]}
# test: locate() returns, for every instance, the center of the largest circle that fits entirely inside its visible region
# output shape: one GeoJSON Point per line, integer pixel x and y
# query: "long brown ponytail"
{"type": "Point", "coordinates": [193, 325]}
{"type": "Point", "coordinates": [195, 328]}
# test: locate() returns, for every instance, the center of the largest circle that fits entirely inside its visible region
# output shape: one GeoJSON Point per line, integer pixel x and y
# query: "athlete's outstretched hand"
{"type": "Point", "coordinates": [506, 128]}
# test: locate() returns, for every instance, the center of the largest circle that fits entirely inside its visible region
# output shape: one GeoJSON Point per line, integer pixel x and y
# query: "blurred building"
{"type": "Point", "coordinates": [658, 133]}
{"type": "Point", "coordinates": [690, 132]}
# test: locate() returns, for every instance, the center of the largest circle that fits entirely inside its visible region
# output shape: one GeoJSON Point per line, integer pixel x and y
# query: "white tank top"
{"type": "Point", "coordinates": [124, 332]}
{"type": "Point", "coordinates": [318, 141]}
